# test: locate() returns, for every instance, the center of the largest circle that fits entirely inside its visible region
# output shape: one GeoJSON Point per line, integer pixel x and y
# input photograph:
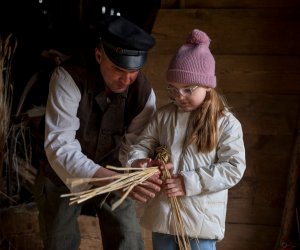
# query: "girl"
{"type": "Point", "coordinates": [205, 143]}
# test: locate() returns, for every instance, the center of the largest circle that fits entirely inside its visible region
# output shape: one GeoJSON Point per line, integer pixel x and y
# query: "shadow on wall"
{"type": "Point", "coordinates": [49, 29]}
{"type": "Point", "coordinates": [67, 26]}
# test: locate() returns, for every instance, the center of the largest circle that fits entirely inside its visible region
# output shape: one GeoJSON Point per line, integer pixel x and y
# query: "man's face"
{"type": "Point", "coordinates": [117, 79]}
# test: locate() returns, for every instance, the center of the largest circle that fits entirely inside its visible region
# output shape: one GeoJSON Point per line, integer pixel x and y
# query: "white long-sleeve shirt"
{"type": "Point", "coordinates": [62, 148]}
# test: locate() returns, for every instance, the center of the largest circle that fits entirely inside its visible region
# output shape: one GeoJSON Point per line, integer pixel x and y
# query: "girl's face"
{"type": "Point", "coordinates": [187, 97]}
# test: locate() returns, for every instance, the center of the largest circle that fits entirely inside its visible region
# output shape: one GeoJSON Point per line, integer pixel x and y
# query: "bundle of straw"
{"type": "Point", "coordinates": [176, 206]}
{"type": "Point", "coordinates": [125, 182]}
{"type": "Point", "coordinates": [7, 49]}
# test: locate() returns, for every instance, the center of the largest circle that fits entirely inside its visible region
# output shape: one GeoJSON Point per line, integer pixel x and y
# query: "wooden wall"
{"type": "Point", "coordinates": [257, 52]}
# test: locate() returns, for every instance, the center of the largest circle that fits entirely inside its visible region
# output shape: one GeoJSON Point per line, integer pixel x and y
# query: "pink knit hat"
{"type": "Point", "coordinates": [193, 63]}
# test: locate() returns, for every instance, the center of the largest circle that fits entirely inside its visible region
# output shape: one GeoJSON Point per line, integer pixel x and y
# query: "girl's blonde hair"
{"type": "Point", "coordinates": [204, 121]}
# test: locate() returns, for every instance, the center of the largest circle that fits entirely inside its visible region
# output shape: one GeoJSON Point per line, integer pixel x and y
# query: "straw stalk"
{"type": "Point", "coordinates": [125, 182]}
{"type": "Point", "coordinates": [175, 202]}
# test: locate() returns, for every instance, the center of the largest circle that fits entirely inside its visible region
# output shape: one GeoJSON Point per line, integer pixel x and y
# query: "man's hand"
{"type": "Point", "coordinates": [104, 173]}
{"type": "Point", "coordinates": [148, 188]}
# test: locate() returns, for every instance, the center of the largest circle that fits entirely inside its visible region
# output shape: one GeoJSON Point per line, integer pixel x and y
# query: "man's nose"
{"type": "Point", "coordinates": [127, 77]}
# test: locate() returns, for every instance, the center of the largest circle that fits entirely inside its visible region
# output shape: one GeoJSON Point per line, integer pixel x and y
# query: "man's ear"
{"type": "Point", "coordinates": [98, 55]}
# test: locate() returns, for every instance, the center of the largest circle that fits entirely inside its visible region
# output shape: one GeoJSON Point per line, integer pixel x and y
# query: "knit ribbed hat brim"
{"type": "Point", "coordinates": [187, 77]}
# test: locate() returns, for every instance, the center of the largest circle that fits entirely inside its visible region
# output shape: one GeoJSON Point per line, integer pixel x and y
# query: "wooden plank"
{"type": "Point", "coordinates": [266, 124]}
{"type": "Point", "coordinates": [259, 114]}
{"type": "Point", "coordinates": [261, 164]}
{"type": "Point", "coordinates": [269, 146]}
{"type": "Point", "coordinates": [238, 74]}
{"type": "Point", "coordinates": [243, 211]}
{"type": "Point", "coordinates": [233, 31]}
{"type": "Point", "coordinates": [169, 4]}
{"type": "Point", "coordinates": [266, 114]}
{"type": "Point", "coordinates": [248, 237]}
{"type": "Point", "coordinates": [259, 74]}
{"type": "Point", "coordinates": [265, 104]}
{"type": "Point", "coordinates": [266, 191]}
{"type": "Point", "coordinates": [267, 158]}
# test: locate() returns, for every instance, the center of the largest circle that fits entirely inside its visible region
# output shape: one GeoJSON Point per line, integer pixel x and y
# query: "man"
{"type": "Point", "coordinates": [93, 114]}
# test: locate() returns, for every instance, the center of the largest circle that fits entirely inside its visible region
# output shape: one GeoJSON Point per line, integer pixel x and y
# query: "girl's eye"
{"type": "Point", "coordinates": [186, 91]}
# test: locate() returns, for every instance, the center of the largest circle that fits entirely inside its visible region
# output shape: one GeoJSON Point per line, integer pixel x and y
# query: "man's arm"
{"type": "Point", "coordinates": [63, 150]}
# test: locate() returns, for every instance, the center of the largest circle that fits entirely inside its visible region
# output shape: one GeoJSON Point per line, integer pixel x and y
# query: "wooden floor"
{"type": "Point", "coordinates": [91, 238]}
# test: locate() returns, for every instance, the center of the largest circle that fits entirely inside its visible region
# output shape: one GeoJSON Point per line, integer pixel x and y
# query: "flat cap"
{"type": "Point", "coordinates": [125, 43]}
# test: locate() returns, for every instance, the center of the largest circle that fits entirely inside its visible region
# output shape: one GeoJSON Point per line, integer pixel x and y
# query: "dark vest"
{"type": "Point", "coordinates": [104, 121]}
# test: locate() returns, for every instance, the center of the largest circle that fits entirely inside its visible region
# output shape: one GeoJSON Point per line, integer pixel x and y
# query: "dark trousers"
{"type": "Point", "coordinates": [59, 229]}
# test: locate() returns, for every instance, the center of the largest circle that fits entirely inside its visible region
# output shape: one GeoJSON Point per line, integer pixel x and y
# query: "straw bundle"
{"type": "Point", "coordinates": [125, 182]}
{"type": "Point", "coordinates": [183, 242]}
{"type": "Point", "coordinates": [7, 50]}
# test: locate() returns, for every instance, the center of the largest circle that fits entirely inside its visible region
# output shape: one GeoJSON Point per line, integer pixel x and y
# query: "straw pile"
{"type": "Point", "coordinates": [7, 50]}
{"type": "Point", "coordinates": [125, 182]}
{"type": "Point", "coordinates": [177, 208]}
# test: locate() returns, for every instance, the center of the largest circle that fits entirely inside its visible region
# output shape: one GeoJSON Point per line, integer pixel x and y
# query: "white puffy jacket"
{"type": "Point", "coordinates": [207, 177]}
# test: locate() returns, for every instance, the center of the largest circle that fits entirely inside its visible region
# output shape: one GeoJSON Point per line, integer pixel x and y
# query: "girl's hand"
{"type": "Point", "coordinates": [174, 186]}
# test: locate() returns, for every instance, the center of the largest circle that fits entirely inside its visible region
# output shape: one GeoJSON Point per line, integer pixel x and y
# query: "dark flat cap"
{"type": "Point", "coordinates": [125, 44]}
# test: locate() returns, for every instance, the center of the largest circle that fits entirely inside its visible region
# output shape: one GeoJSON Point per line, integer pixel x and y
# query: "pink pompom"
{"type": "Point", "coordinates": [198, 37]}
